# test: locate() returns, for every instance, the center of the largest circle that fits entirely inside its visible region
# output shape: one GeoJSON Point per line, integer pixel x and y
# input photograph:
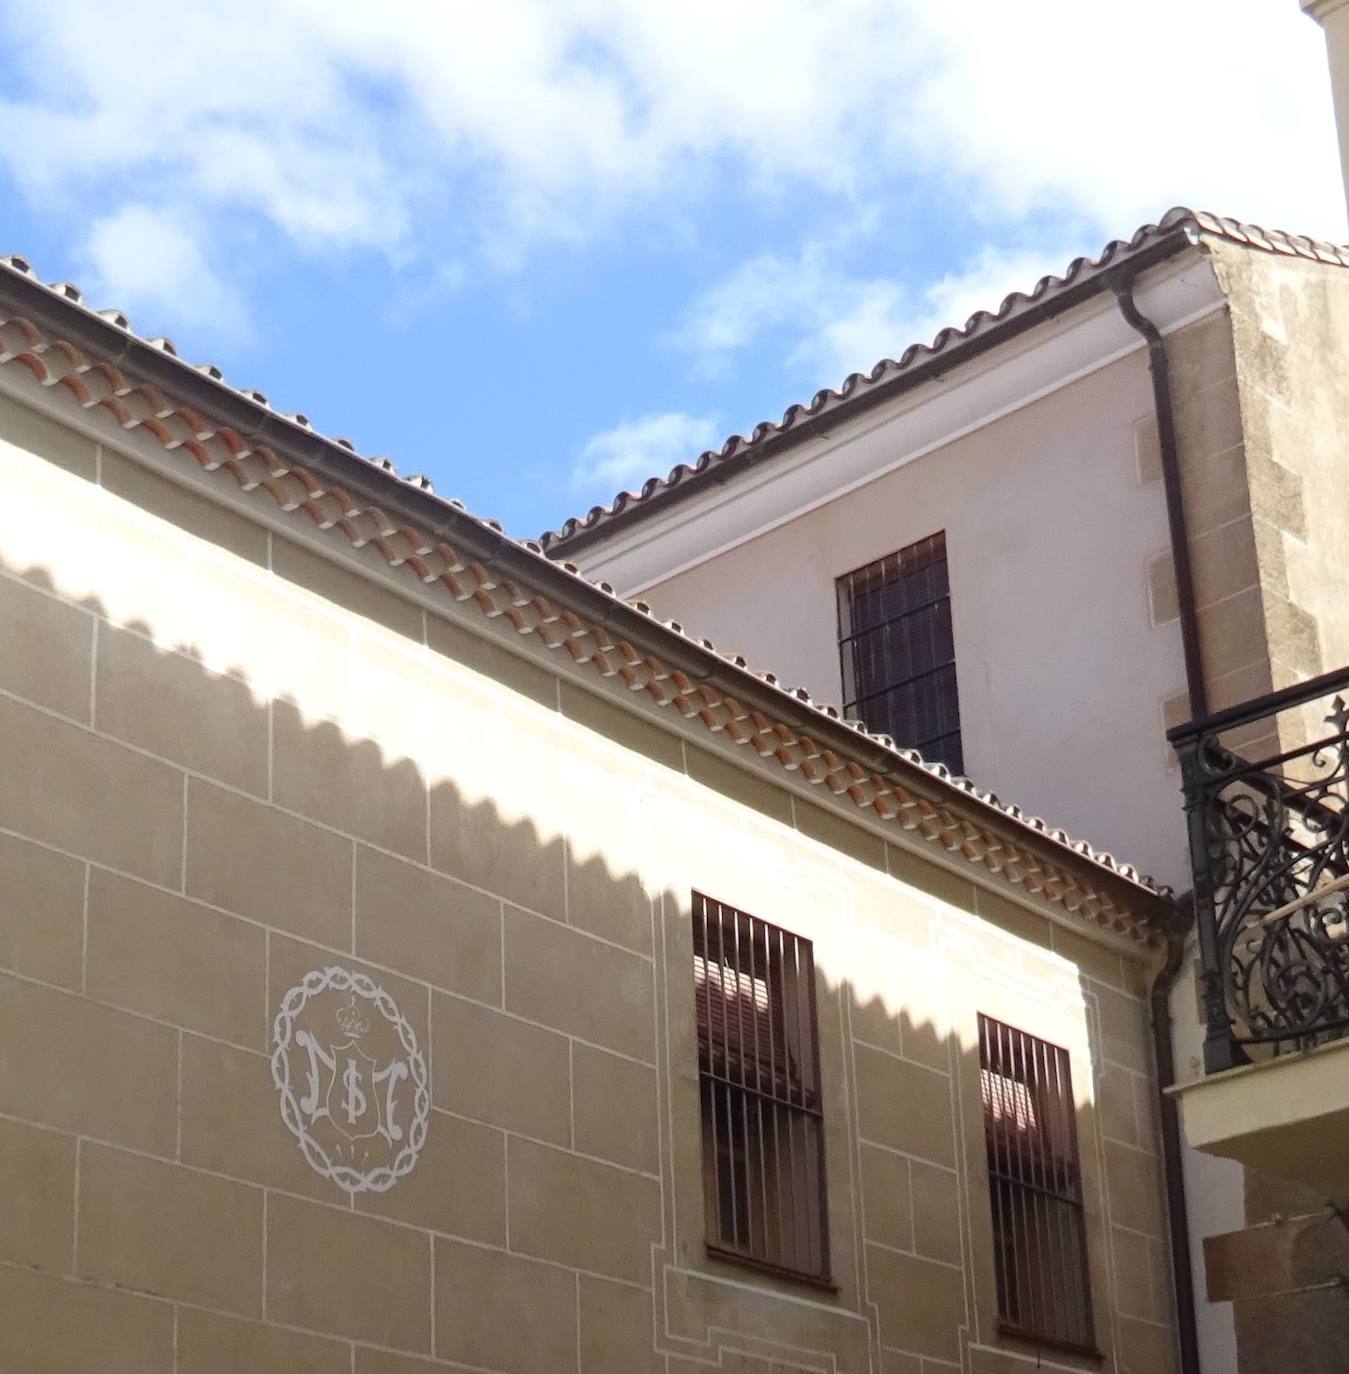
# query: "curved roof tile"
{"type": "Point", "coordinates": [796, 701]}
{"type": "Point", "coordinates": [1176, 225]}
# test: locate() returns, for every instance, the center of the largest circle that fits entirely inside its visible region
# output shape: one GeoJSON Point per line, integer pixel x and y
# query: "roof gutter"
{"type": "Point", "coordinates": [294, 442]}
{"type": "Point", "coordinates": [955, 354]}
{"type": "Point", "coordinates": [1175, 495]}
{"type": "Point", "coordinates": [1177, 1208]}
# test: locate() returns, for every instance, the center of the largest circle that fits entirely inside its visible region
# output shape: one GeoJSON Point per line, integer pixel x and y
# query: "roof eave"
{"type": "Point", "coordinates": [406, 501]}
{"type": "Point", "coordinates": [1171, 242]}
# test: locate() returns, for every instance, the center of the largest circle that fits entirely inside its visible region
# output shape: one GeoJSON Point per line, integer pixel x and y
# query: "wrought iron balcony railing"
{"type": "Point", "coordinates": [1267, 799]}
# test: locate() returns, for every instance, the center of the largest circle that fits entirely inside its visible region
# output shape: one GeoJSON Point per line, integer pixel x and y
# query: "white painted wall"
{"type": "Point", "coordinates": [1061, 673]}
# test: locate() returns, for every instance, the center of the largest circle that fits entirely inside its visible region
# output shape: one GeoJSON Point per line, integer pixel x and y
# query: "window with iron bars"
{"type": "Point", "coordinates": [1035, 1179]}
{"type": "Point", "coordinates": [898, 651]}
{"type": "Point", "coordinates": [759, 1078]}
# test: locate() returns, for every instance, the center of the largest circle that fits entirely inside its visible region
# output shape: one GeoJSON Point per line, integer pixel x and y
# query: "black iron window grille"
{"type": "Point", "coordinates": [759, 1077]}
{"type": "Point", "coordinates": [898, 652]}
{"type": "Point", "coordinates": [1267, 800]}
{"type": "Point", "coordinates": [1035, 1181]}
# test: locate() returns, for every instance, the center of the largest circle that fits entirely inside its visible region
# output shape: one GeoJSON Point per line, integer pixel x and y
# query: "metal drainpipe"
{"type": "Point", "coordinates": [1174, 1178]}
{"type": "Point", "coordinates": [1160, 996]}
{"type": "Point", "coordinates": [1175, 497]}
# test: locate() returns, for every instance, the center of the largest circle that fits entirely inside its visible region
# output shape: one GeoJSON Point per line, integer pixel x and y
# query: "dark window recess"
{"type": "Point", "coordinates": [1039, 1236]}
{"type": "Point", "coordinates": [895, 641]}
{"type": "Point", "coordinates": [759, 1076]}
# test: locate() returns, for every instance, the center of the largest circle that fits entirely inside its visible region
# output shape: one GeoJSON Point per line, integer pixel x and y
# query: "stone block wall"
{"type": "Point", "coordinates": [233, 764]}
{"type": "Point", "coordinates": [1215, 484]}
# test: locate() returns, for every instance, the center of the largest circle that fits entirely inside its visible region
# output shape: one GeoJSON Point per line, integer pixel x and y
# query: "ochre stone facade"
{"type": "Point", "coordinates": [1258, 388]}
{"type": "Point", "coordinates": [235, 753]}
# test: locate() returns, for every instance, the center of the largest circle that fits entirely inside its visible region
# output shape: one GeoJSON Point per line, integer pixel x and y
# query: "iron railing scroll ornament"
{"type": "Point", "coordinates": [1266, 790]}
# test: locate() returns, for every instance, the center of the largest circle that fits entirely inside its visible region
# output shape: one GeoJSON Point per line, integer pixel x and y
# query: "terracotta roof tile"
{"type": "Point", "coordinates": [892, 373]}
{"type": "Point", "coordinates": [98, 381]}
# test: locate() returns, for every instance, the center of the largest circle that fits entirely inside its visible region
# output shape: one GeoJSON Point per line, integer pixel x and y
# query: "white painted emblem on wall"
{"type": "Point", "coordinates": [353, 1083]}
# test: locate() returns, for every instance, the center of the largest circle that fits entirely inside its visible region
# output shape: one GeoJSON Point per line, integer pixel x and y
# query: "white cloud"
{"type": "Point", "coordinates": [415, 129]}
{"type": "Point", "coordinates": [144, 258]}
{"type": "Point", "coordinates": [636, 449]}
{"type": "Point", "coordinates": [343, 123]}
{"type": "Point", "coordinates": [762, 292]}
{"type": "Point", "coordinates": [832, 315]}
{"type": "Point", "coordinates": [834, 323]}
{"type": "Point", "coordinates": [1121, 113]}
{"type": "Point", "coordinates": [868, 326]}
{"type": "Point", "coordinates": [982, 284]}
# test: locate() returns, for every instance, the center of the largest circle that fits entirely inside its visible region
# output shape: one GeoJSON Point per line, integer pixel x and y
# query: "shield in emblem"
{"type": "Point", "coordinates": [353, 1098]}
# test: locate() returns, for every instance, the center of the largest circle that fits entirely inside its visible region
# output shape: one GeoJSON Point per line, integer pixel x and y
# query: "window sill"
{"type": "Point", "coordinates": [1029, 1338]}
{"type": "Point", "coordinates": [820, 1282]}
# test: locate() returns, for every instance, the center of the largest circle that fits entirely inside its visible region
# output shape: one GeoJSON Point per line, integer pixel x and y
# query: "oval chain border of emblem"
{"type": "Point", "coordinates": [350, 1180]}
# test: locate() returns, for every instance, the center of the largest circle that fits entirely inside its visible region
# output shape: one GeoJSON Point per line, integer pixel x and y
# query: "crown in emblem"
{"type": "Point", "coordinates": [351, 1020]}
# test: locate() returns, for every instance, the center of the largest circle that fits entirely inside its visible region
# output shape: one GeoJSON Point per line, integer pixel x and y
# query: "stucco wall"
{"type": "Point", "coordinates": [1065, 650]}
{"type": "Point", "coordinates": [230, 763]}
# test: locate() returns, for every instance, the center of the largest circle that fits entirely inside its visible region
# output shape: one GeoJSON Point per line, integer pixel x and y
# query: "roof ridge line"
{"type": "Point", "coordinates": [578, 531]}
{"type": "Point", "coordinates": [137, 403]}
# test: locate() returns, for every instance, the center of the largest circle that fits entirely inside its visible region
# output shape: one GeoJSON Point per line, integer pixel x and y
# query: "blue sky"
{"type": "Point", "coordinates": [542, 249]}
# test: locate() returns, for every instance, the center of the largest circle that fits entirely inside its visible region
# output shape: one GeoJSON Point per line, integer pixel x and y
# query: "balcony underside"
{"type": "Point", "coordinates": [1287, 1116]}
